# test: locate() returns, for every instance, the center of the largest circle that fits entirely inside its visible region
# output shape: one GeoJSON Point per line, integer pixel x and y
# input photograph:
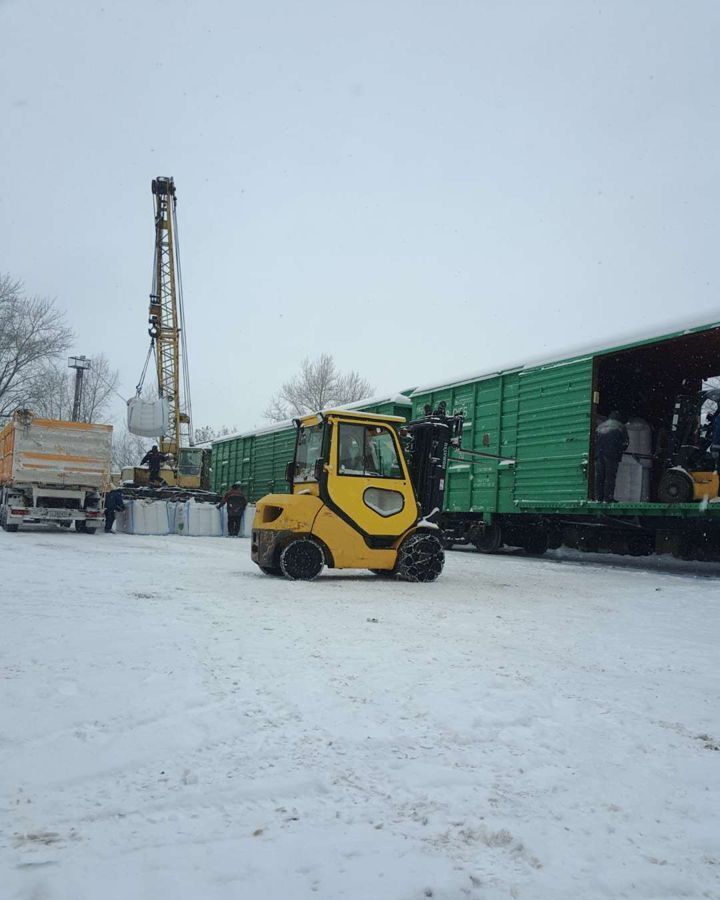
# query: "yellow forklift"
{"type": "Point", "coordinates": [691, 465]}
{"type": "Point", "coordinates": [361, 496]}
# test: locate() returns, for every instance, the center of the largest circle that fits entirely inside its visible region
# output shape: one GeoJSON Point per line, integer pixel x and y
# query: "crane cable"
{"type": "Point", "coordinates": [183, 337]}
{"type": "Point", "coordinates": [151, 351]}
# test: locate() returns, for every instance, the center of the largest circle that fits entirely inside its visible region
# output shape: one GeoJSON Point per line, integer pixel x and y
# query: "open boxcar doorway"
{"type": "Point", "coordinates": [645, 384]}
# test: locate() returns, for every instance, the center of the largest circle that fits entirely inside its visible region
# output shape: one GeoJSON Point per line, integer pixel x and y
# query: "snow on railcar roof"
{"type": "Point", "coordinates": [397, 399]}
{"type": "Point", "coordinates": [594, 349]}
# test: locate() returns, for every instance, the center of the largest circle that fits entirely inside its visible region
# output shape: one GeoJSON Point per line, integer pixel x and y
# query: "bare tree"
{"type": "Point", "coordinates": [128, 449]}
{"type": "Point", "coordinates": [207, 433]}
{"type": "Point", "coordinates": [318, 385]}
{"type": "Point", "coordinates": [53, 390]}
{"type": "Point", "coordinates": [33, 332]}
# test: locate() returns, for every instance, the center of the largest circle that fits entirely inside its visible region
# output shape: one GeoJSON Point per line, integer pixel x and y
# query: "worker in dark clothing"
{"type": "Point", "coordinates": [113, 504]}
{"type": "Point", "coordinates": [611, 441]}
{"type": "Point", "coordinates": [154, 459]}
{"type": "Point", "coordinates": [236, 502]}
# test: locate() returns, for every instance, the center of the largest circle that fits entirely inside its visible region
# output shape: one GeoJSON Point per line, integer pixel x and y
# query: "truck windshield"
{"type": "Point", "coordinates": [309, 450]}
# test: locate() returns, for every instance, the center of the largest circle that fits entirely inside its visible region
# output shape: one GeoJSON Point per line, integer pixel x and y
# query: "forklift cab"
{"type": "Point", "coordinates": [352, 502]}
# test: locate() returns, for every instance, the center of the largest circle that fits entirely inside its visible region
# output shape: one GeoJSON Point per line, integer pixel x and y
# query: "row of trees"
{"type": "Point", "coordinates": [35, 336]}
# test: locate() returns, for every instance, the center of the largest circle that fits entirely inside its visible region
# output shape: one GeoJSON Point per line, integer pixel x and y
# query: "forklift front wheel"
{"type": "Point", "coordinates": [420, 558]}
{"type": "Point", "coordinates": [302, 560]}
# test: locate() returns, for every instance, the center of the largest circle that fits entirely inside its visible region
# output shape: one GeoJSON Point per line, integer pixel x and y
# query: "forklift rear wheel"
{"type": "Point", "coordinates": [676, 486]}
{"type": "Point", "coordinates": [420, 558]}
{"type": "Point", "coordinates": [302, 560]}
{"type": "Point", "coordinates": [490, 540]}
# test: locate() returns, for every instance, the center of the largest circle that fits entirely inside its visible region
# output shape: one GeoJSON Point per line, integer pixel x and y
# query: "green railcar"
{"type": "Point", "coordinates": [541, 420]}
{"type": "Point", "coordinates": [257, 459]}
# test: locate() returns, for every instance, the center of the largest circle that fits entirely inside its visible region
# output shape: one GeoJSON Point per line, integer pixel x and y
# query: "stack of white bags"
{"type": "Point", "coordinates": [171, 517]}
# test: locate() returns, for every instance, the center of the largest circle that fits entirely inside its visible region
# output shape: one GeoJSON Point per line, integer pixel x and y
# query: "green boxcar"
{"type": "Point", "coordinates": [542, 418]}
{"type": "Point", "coordinates": [257, 459]}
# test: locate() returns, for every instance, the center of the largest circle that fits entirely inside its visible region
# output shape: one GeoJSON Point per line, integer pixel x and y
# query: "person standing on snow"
{"type": "Point", "coordinates": [611, 441]}
{"type": "Point", "coordinates": [236, 502]}
{"type": "Point", "coordinates": [113, 504]}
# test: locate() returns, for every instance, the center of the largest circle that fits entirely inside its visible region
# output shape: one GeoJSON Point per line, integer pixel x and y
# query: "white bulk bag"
{"type": "Point", "coordinates": [148, 418]}
{"type": "Point", "coordinates": [203, 519]}
{"type": "Point", "coordinates": [150, 517]}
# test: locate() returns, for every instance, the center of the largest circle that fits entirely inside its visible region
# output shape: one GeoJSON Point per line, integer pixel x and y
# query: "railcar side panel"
{"type": "Point", "coordinates": [553, 433]}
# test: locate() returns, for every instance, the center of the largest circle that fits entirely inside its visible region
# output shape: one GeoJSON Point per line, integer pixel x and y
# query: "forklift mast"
{"type": "Point", "coordinates": [427, 445]}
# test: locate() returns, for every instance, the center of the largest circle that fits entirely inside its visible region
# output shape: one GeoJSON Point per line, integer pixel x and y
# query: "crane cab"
{"type": "Point", "coordinates": [189, 474]}
{"type": "Point", "coordinates": [352, 504]}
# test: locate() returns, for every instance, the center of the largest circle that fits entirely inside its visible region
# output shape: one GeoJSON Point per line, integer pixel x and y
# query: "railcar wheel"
{"type": "Point", "coordinates": [447, 540]}
{"type": "Point", "coordinates": [420, 558]}
{"type": "Point", "coordinates": [302, 560]}
{"type": "Point", "coordinates": [490, 540]}
{"type": "Point", "coordinates": [676, 486]}
{"type": "Point", "coordinates": [535, 543]}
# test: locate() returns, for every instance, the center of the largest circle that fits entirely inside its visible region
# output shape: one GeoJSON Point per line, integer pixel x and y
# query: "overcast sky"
{"type": "Point", "coordinates": [420, 188]}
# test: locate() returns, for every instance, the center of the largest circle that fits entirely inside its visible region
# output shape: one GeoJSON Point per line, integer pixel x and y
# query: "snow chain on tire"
{"type": "Point", "coordinates": [420, 558]}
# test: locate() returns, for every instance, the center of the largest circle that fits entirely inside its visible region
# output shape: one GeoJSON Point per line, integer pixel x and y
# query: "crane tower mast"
{"type": "Point", "coordinates": [166, 320]}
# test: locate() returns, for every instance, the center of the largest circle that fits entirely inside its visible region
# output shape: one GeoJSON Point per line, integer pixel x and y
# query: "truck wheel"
{"type": "Point", "coordinates": [82, 527]}
{"type": "Point", "coordinates": [420, 558]}
{"type": "Point", "coordinates": [7, 527]}
{"type": "Point", "coordinates": [490, 540]}
{"type": "Point", "coordinates": [302, 560]}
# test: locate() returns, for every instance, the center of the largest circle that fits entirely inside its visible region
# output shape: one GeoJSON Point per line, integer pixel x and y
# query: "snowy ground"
{"type": "Point", "coordinates": [174, 724]}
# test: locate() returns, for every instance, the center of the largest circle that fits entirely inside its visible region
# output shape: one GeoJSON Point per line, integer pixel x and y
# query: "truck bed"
{"type": "Point", "coordinates": [50, 452]}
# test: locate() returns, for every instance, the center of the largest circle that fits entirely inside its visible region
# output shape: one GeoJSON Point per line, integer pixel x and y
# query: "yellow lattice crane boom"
{"type": "Point", "coordinates": [166, 320]}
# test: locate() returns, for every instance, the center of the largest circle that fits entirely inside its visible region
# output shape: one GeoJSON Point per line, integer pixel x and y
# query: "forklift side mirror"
{"type": "Point", "coordinates": [290, 472]}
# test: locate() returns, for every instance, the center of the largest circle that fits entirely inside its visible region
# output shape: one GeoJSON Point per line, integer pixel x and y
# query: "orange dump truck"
{"type": "Point", "coordinates": [52, 471]}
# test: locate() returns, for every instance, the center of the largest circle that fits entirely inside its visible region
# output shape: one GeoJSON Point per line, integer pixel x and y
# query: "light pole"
{"type": "Point", "coordinates": [80, 364]}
